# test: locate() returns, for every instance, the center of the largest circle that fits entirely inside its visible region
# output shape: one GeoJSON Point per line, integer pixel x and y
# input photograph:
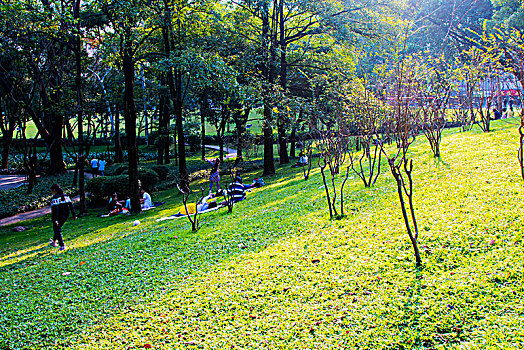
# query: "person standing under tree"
{"type": "Point", "coordinates": [215, 176]}
{"type": "Point", "coordinates": [60, 206]}
{"type": "Point", "coordinates": [94, 166]}
{"type": "Point", "coordinates": [101, 166]}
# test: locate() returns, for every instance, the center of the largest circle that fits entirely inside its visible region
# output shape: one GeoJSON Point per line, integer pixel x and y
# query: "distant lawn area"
{"type": "Point", "coordinates": [278, 274]}
{"type": "Point", "coordinates": [254, 125]}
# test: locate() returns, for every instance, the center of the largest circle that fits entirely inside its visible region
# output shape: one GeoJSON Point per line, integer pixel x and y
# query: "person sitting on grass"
{"type": "Point", "coordinates": [497, 114]}
{"type": "Point", "coordinates": [302, 161]}
{"type": "Point", "coordinates": [115, 207]}
{"type": "Point", "coordinates": [113, 201]}
{"type": "Point", "coordinates": [145, 201]}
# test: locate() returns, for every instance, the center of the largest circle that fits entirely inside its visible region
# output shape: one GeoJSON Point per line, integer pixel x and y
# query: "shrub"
{"type": "Point", "coordinates": [103, 186]}
{"type": "Point", "coordinates": [119, 169]}
{"type": "Point", "coordinates": [163, 171]}
{"type": "Point", "coordinates": [148, 179]}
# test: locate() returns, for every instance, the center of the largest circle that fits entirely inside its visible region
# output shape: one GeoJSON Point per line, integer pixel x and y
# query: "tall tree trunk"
{"type": "Point", "coordinates": [269, 162]}
{"type": "Point", "coordinates": [166, 30]}
{"type": "Point", "coordinates": [269, 72]}
{"type": "Point", "coordinates": [119, 155]}
{"type": "Point", "coordinates": [7, 135]}
{"type": "Point", "coordinates": [292, 141]}
{"type": "Point", "coordinates": [203, 126]}
{"type": "Point", "coordinates": [282, 141]}
{"type": "Point", "coordinates": [174, 80]}
{"type": "Point", "coordinates": [54, 142]}
{"type": "Point", "coordinates": [241, 128]}
{"type": "Point", "coordinates": [182, 167]}
{"type": "Point", "coordinates": [78, 83]}
{"type": "Point", "coordinates": [130, 116]}
{"type": "Point", "coordinates": [7, 140]}
{"type": "Point", "coordinates": [167, 138]}
{"type": "Point", "coordinates": [8, 129]}
{"type": "Point", "coordinates": [161, 131]}
{"type": "Point", "coordinates": [282, 138]}
{"type": "Point", "coordinates": [204, 110]}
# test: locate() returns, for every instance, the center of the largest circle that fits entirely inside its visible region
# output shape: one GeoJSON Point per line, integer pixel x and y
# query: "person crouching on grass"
{"type": "Point", "coordinates": [60, 206]}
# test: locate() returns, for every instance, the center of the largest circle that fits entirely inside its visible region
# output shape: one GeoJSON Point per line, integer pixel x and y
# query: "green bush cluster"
{"type": "Point", "coordinates": [164, 172]}
{"type": "Point", "coordinates": [100, 188]}
{"type": "Point", "coordinates": [103, 186]}
{"type": "Point", "coordinates": [117, 169]}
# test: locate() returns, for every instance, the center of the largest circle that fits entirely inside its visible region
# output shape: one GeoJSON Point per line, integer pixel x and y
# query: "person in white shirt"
{"type": "Point", "coordinates": [302, 161]}
{"type": "Point", "coordinates": [101, 166]}
{"type": "Point", "coordinates": [94, 166]}
{"type": "Point", "coordinates": [146, 200]}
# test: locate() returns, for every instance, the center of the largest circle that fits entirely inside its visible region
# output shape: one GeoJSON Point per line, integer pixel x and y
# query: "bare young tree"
{"type": "Point", "coordinates": [307, 150]}
{"type": "Point", "coordinates": [460, 112]}
{"type": "Point", "coordinates": [433, 100]}
{"type": "Point", "coordinates": [367, 114]}
{"type": "Point", "coordinates": [480, 78]}
{"type": "Point", "coordinates": [334, 147]}
{"type": "Point", "coordinates": [186, 194]}
{"type": "Point", "coordinates": [402, 125]}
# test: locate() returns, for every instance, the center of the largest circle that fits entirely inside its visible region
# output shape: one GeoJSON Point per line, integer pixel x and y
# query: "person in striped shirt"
{"type": "Point", "coordinates": [237, 190]}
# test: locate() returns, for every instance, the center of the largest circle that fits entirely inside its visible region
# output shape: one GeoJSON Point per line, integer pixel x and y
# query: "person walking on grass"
{"type": "Point", "coordinates": [215, 176]}
{"type": "Point", "coordinates": [61, 205]}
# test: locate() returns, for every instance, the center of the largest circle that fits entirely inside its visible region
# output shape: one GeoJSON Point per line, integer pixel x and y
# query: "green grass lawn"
{"type": "Point", "coordinates": [277, 273]}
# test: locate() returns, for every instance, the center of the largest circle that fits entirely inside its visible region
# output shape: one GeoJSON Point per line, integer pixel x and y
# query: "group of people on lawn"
{"type": "Point", "coordinates": [61, 204]}
{"type": "Point", "coordinates": [116, 206]}
{"type": "Point", "coordinates": [236, 190]}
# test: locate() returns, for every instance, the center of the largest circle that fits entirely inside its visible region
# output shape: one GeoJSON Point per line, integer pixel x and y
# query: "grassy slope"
{"type": "Point", "coordinates": [277, 273]}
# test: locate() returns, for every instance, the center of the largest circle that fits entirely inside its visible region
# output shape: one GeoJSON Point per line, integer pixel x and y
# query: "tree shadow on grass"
{"type": "Point", "coordinates": [33, 243]}
{"type": "Point", "coordinates": [409, 330]}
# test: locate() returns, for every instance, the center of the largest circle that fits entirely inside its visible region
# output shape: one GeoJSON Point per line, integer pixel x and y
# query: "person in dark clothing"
{"type": "Point", "coordinates": [113, 202]}
{"type": "Point", "coordinates": [496, 114]}
{"type": "Point", "coordinates": [61, 205]}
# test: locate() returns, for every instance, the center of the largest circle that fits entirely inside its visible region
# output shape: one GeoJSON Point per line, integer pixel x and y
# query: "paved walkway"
{"type": "Point", "coordinates": [230, 152]}
{"type": "Point", "coordinates": [12, 181]}
{"type": "Point", "coordinates": [30, 214]}
{"type": "Point", "coordinates": [8, 182]}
